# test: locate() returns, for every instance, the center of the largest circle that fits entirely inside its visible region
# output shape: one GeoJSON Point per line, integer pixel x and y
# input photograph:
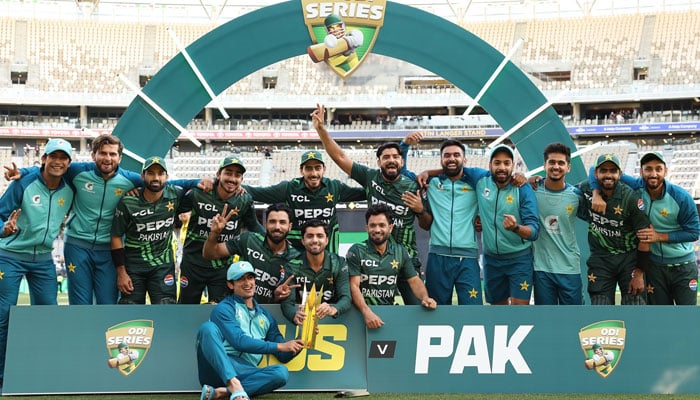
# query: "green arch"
{"type": "Point", "coordinates": [247, 44]}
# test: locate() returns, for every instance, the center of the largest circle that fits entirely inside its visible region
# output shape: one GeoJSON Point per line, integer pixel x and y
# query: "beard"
{"type": "Point", "coordinates": [155, 186]}
{"type": "Point", "coordinates": [276, 239]}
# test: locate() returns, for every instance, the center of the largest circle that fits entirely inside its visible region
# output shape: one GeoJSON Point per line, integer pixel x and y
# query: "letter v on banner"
{"type": "Point", "coordinates": [343, 32]}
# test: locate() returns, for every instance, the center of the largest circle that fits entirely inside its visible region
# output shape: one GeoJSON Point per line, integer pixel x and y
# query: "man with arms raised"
{"type": "Point", "coordinates": [386, 185]}
{"type": "Point", "coordinates": [312, 196]}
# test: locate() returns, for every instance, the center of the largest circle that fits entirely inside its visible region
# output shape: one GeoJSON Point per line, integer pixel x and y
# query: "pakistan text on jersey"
{"type": "Point", "coordinates": [607, 232]}
{"type": "Point", "coordinates": [153, 237]}
{"type": "Point", "coordinates": [378, 293]}
{"type": "Point", "coordinates": [224, 237]}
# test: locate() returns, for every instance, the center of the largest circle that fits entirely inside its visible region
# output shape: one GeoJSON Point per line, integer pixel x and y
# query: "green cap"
{"type": "Point", "coordinates": [311, 155]}
{"type": "Point", "coordinates": [652, 155]}
{"type": "Point", "coordinates": [122, 345]}
{"type": "Point", "coordinates": [231, 160]}
{"type": "Point", "coordinates": [597, 346]}
{"type": "Point", "coordinates": [151, 161]}
{"type": "Point", "coordinates": [608, 157]}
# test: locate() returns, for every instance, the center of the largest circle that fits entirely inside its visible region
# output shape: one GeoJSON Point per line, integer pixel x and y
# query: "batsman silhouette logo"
{"type": "Point", "coordinates": [128, 344]}
{"type": "Point", "coordinates": [343, 32]}
{"type": "Point", "coordinates": [602, 344]}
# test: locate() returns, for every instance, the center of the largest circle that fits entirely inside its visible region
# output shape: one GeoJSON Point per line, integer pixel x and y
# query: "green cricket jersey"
{"type": "Point", "coordinates": [307, 204]}
{"type": "Point", "coordinates": [147, 227]}
{"type": "Point", "coordinates": [615, 232]}
{"type": "Point", "coordinates": [379, 273]}
{"type": "Point", "coordinates": [379, 191]}
{"type": "Point", "coordinates": [204, 206]}
{"type": "Point", "coordinates": [270, 268]}
{"type": "Point", "coordinates": [332, 280]}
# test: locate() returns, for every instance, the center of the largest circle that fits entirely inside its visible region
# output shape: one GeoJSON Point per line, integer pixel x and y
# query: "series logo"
{"type": "Point", "coordinates": [343, 32]}
{"type": "Point", "coordinates": [602, 344]}
{"type": "Point", "coordinates": [128, 344]}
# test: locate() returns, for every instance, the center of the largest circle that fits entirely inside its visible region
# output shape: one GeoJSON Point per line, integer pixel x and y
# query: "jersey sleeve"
{"type": "Point", "coordinates": [231, 330]}
{"type": "Point", "coordinates": [348, 193]}
{"type": "Point", "coordinates": [250, 220]}
{"type": "Point", "coordinates": [360, 173]}
{"type": "Point", "coordinates": [342, 287]}
{"type": "Point", "coordinates": [528, 210]}
{"type": "Point", "coordinates": [120, 221]}
{"type": "Point", "coordinates": [269, 194]}
{"type": "Point", "coordinates": [10, 201]}
{"type": "Point", "coordinates": [687, 217]}
{"type": "Point", "coordinates": [353, 260]}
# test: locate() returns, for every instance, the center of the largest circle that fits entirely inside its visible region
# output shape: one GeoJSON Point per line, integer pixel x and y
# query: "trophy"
{"type": "Point", "coordinates": [309, 302]}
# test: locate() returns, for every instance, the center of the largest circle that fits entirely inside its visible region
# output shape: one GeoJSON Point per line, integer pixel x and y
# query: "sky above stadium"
{"type": "Point", "coordinates": [220, 11]}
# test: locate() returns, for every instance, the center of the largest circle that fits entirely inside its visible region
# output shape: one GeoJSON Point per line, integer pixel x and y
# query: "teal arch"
{"type": "Point", "coordinates": [247, 44]}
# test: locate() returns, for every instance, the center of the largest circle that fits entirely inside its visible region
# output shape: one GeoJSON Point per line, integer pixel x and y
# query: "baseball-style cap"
{"type": "Point", "coordinates": [501, 148]}
{"type": "Point", "coordinates": [238, 269]}
{"type": "Point", "coordinates": [151, 161]}
{"type": "Point", "coordinates": [652, 155]}
{"type": "Point", "coordinates": [58, 144]}
{"type": "Point", "coordinates": [608, 157]}
{"type": "Point", "coordinates": [311, 155]}
{"type": "Point", "coordinates": [231, 160]}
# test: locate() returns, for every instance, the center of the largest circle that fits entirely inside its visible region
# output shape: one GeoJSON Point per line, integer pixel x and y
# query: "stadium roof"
{"type": "Point", "coordinates": [220, 11]}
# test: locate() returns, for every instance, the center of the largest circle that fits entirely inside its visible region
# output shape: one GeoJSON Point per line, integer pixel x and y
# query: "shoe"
{"type": "Point", "coordinates": [239, 395]}
{"type": "Point", "coordinates": [208, 392]}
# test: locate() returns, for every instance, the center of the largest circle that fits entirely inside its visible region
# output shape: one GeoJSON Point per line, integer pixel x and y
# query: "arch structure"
{"type": "Point", "coordinates": [244, 45]}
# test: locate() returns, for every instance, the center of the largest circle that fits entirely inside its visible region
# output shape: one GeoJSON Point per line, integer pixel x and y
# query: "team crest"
{"type": "Point", "coordinates": [343, 32]}
{"type": "Point", "coordinates": [602, 344]}
{"type": "Point", "coordinates": [128, 344]}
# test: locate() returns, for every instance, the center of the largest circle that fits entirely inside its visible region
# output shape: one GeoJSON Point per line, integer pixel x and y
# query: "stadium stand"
{"type": "Point", "coordinates": [636, 66]}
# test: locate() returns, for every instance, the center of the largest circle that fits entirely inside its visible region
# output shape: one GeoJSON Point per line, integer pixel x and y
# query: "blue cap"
{"type": "Point", "coordinates": [58, 144]}
{"type": "Point", "coordinates": [502, 148]}
{"type": "Point", "coordinates": [238, 269]}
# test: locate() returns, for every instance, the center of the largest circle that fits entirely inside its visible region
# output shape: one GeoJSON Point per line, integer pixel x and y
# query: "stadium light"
{"type": "Point", "coordinates": [198, 73]}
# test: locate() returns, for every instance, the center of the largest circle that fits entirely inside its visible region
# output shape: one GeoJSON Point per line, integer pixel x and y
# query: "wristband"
{"type": "Point", "coordinates": [516, 229]}
{"type": "Point", "coordinates": [643, 260]}
{"type": "Point", "coordinates": [119, 257]}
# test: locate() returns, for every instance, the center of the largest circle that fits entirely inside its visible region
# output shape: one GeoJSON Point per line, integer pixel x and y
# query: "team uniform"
{"type": "Point", "coordinates": [673, 275]}
{"type": "Point", "coordinates": [332, 278]}
{"type": "Point", "coordinates": [379, 273]}
{"type": "Point", "coordinates": [308, 204]}
{"type": "Point", "coordinates": [27, 252]}
{"type": "Point", "coordinates": [196, 272]}
{"type": "Point", "coordinates": [232, 342]}
{"type": "Point", "coordinates": [270, 267]}
{"type": "Point", "coordinates": [612, 239]}
{"type": "Point", "coordinates": [148, 230]}
{"type": "Point", "coordinates": [557, 258]}
{"type": "Point", "coordinates": [452, 258]}
{"type": "Point", "coordinates": [379, 191]}
{"type": "Point", "coordinates": [87, 250]}
{"type": "Point", "coordinates": [508, 269]}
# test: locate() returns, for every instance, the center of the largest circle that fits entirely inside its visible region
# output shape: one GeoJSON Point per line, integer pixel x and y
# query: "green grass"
{"type": "Point", "coordinates": [384, 396]}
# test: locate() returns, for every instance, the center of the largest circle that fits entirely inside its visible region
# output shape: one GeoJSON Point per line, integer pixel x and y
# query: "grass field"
{"type": "Point", "coordinates": [384, 396]}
